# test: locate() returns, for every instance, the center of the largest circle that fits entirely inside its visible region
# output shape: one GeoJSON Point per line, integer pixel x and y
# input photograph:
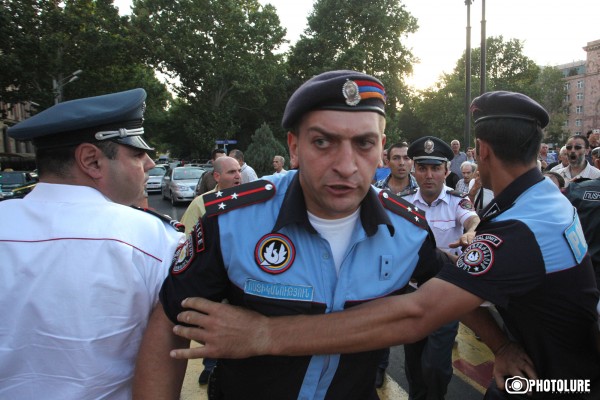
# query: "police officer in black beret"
{"type": "Point", "coordinates": [80, 268]}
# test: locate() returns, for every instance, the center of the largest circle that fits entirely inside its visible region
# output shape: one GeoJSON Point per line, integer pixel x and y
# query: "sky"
{"type": "Point", "coordinates": [552, 34]}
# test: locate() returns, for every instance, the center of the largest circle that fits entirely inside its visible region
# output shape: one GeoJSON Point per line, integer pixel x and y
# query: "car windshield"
{"type": "Point", "coordinates": [157, 171]}
{"type": "Point", "coordinates": [187, 173]}
{"type": "Point", "coordinates": [11, 178]}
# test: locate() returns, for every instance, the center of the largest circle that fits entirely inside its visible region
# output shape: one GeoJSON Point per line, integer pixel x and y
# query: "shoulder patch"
{"type": "Point", "coordinates": [466, 204]}
{"type": "Point", "coordinates": [164, 217]}
{"type": "Point", "coordinates": [238, 196]}
{"type": "Point", "coordinates": [399, 206]}
{"type": "Point", "coordinates": [407, 192]}
{"type": "Point", "coordinates": [456, 193]}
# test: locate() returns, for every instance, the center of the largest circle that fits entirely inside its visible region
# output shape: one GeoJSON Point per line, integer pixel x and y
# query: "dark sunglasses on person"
{"type": "Point", "coordinates": [577, 147]}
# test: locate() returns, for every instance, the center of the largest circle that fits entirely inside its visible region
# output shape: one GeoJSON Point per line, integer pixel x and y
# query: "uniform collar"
{"type": "Point", "coordinates": [293, 211]}
{"type": "Point", "coordinates": [509, 195]}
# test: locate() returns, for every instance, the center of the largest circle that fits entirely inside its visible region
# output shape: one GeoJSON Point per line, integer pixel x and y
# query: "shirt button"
{"type": "Point", "coordinates": [325, 256]}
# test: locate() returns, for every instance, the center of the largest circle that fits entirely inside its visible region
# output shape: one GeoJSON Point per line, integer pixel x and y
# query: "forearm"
{"type": "Point", "coordinates": [485, 326]}
{"type": "Point", "coordinates": [471, 224]}
{"type": "Point", "coordinates": [157, 375]}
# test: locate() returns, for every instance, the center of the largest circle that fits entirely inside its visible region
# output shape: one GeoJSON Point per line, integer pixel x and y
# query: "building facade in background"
{"type": "Point", "coordinates": [13, 154]}
{"type": "Point", "coordinates": [582, 84]}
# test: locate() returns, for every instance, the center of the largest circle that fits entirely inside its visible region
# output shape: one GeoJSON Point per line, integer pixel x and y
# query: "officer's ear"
{"type": "Point", "coordinates": [88, 159]}
{"type": "Point", "coordinates": [484, 150]}
{"type": "Point", "coordinates": [292, 140]}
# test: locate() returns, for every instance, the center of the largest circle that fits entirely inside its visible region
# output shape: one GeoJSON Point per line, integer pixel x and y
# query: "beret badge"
{"type": "Point", "coordinates": [351, 92]}
{"type": "Point", "coordinates": [428, 146]}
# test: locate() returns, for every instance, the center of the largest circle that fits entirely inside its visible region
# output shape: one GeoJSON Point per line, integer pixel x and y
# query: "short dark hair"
{"type": "Point", "coordinates": [397, 145]}
{"type": "Point", "coordinates": [213, 154]}
{"type": "Point", "coordinates": [557, 176]}
{"type": "Point", "coordinates": [585, 139]}
{"type": "Point", "coordinates": [57, 161]}
{"type": "Point", "coordinates": [513, 140]}
{"type": "Point", "coordinates": [237, 154]}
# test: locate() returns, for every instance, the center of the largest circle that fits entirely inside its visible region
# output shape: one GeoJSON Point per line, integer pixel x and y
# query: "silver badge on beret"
{"type": "Point", "coordinates": [351, 93]}
{"type": "Point", "coordinates": [428, 146]}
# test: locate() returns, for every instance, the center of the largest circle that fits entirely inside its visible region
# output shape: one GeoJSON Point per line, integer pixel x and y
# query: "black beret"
{"type": "Point", "coordinates": [501, 104]}
{"type": "Point", "coordinates": [430, 150]}
{"type": "Point", "coordinates": [335, 90]}
{"type": "Point", "coordinates": [116, 116]}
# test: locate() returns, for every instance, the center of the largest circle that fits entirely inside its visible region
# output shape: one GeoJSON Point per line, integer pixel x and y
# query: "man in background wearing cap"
{"type": "Point", "coordinates": [321, 240]}
{"type": "Point", "coordinates": [530, 261]}
{"type": "Point", "coordinates": [428, 362]}
{"type": "Point", "coordinates": [80, 269]}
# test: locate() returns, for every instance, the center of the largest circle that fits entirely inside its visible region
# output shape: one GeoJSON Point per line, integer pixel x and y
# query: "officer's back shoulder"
{"type": "Point", "coordinates": [397, 205]}
{"type": "Point", "coordinates": [163, 217]}
{"type": "Point", "coordinates": [226, 200]}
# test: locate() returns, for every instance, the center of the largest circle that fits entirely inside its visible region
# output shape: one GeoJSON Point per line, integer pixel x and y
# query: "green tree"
{"type": "Point", "coordinates": [221, 55]}
{"type": "Point", "coordinates": [261, 151]}
{"type": "Point", "coordinates": [361, 35]}
{"type": "Point", "coordinates": [442, 107]}
{"type": "Point", "coordinates": [46, 40]}
{"type": "Point", "coordinates": [551, 94]}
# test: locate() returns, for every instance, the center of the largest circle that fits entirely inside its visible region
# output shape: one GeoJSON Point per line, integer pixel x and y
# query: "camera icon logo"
{"type": "Point", "coordinates": [517, 385]}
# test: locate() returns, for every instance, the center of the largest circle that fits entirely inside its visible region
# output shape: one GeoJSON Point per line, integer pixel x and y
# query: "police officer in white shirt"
{"type": "Point", "coordinates": [81, 269]}
{"type": "Point", "coordinates": [453, 221]}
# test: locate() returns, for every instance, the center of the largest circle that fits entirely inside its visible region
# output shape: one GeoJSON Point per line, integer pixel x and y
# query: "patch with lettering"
{"type": "Point", "coordinates": [184, 255]}
{"type": "Point", "coordinates": [198, 235]}
{"type": "Point", "coordinates": [591, 195]}
{"type": "Point", "coordinates": [278, 291]}
{"type": "Point", "coordinates": [477, 258]}
{"type": "Point", "coordinates": [488, 237]}
{"type": "Point", "coordinates": [275, 253]}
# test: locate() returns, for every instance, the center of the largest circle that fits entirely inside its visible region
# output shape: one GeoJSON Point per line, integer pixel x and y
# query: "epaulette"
{"type": "Point", "coordinates": [178, 226]}
{"type": "Point", "coordinates": [398, 205]}
{"type": "Point", "coordinates": [235, 197]}
{"type": "Point", "coordinates": [456, 193]}
{"type": "Point", "coordinates": [408, 192]}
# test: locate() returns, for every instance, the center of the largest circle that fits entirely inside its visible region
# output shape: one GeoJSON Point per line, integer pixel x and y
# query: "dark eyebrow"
{"type": "Point", "coordinates": [332, 135]}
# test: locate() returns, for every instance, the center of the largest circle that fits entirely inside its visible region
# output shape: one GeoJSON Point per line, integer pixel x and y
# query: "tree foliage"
{"type": "Point", "coordinates": [46, 40]}
{"type": "Point", "coordinates": [359, 35]}
{"type": "Point", "coordinates": [221, 55]}
{"type": "Point", "coordinates": [442, 109]}
{"type": "Point", "coordinates": [263, 148]}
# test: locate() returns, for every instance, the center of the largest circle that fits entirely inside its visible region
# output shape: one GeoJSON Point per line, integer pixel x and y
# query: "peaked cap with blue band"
{"type": "Point", "coordinates": [117, 117]}
{"type": "Point", "coordinates": [341, 90]}
{"type": "Point", "coordinates": [508, 105]}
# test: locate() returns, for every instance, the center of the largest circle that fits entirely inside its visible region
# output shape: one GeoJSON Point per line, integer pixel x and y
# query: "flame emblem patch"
{"type": "Point", "coordinates": [274, 253]}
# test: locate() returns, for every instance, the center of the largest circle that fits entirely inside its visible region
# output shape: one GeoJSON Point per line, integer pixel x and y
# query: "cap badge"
{"type": "Point", "coordinates": [351, 93]}
{"type": "Point", "coordinates": [428, 146]}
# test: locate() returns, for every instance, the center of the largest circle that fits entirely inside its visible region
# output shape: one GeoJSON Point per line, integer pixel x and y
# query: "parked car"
{"type": "Point", "coordinates": [155, 176]}
{"type": "Point", "coordinates": [179, 183]}
{"type": "Point", "coordinates": [16, 184]}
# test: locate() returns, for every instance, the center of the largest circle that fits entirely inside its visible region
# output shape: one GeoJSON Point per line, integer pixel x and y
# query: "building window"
{"type": "Point", "coordinates": [578, 133]}
{"type": "Point", "coordinates": [579, 84]}
{"type": "Point", "coordinates": [579, 96]}
{"type": "Point", "coordinates": [567, 85]}
{"type": "Point", "coordinates": [567, 98]}
{"type": "Point", "coordinates": [577, 122]}
{"type": "Point", "coordinates": [566, 123]}
{"type": "Point", "coordinates": [579, 110]}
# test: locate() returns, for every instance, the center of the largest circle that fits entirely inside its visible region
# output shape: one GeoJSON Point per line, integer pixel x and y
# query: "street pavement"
{"type": "Point", "coordinates": [472, 360]}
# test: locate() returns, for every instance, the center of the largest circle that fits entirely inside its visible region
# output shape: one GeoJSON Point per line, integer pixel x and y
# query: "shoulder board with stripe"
{"type": "Point", "coordinates": [235, 197]}
{"type": "Point", "coordinates": [399, 206]}
{"type": "Point", "coordinates": [407, 192]}
{"type": "Point", "coordinates": [164, 217]}
{"type": "Point", "coordinates": [456, 193]}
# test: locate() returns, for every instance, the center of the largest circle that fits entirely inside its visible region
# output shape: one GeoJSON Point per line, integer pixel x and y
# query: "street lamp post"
{"type": "Point", "coordinates": [468, 77]}
{"type": "Point", "coordinates": [58, 84]}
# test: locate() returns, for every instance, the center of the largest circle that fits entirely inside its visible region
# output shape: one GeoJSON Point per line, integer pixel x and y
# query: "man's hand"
{"type": "Point", "coordinates": [463, 241]}
{"type": "Point", "coordinates": [225, 331]}
{"type": "Point", "coordinates": [511, 360]}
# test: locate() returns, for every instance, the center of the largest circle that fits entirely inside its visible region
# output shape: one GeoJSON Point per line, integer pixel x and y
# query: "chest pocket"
{"type": "Point", "coordinates": [442, 226]}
